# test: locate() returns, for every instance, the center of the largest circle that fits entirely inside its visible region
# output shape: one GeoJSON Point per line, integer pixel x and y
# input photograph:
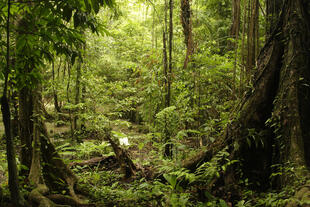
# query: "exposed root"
{"type": "Point", "coordinates": [37, 196]}
{"type": "Point", "coordinates": [301, 198]}
{"type": "Point", "coordinates": [67, 200]}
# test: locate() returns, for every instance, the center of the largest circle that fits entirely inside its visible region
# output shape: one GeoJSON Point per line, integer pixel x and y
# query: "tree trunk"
{"type": "Point", "coordinates": [273, 9]}
{"type": "Point", "coordinates": [235, 26]}
{"type": "Point", "coordinates": [280, 98]}
{"type": "Point", "coordinates": [186, 21]}
{"type": "Point", "coordinates": [69, 67]}
{"type": "Point", "coordinates": [243, 72]}
{"type": "Point", "coordinates": [77, 94]}
{"type": "Point", "coordinates": [253, 25]}
{"type": "Point", "coordinates": [35, 175]}
{"type": "Point", "coordinates": [53, 174]}
{"type": "Point", "coordinates": [165, 56]}
{"type": "Point", "coordinates": [272, 120]}
{"type": "Point", "coordinates": [234, 33]}
{"type": "Point", "coordinates": [168, 145]}
{"type": "Point", "coordinates": [25, 97]}
{"type": "Point", "coordinates": [294, 88]}
{"type": "Point", "coordinates": [170, 51]}
{"type": "Point", "coordinates": [25, 124]}
{"type": "Point", "coordinates": [55, 171]}
{"type": "Point", "coordinates": [167, 151]}
{"type": "Point", "coordinates": [56, 105]}
{"type": "Point", "coordinates": [16, 196]}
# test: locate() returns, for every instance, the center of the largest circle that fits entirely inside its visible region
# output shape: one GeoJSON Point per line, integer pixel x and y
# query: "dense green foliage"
{"type": "Point", "coordinates": [101, 63]}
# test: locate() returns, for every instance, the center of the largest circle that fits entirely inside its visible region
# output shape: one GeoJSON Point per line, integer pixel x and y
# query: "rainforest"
{"type": "Point", "coordinates": [168, 103]}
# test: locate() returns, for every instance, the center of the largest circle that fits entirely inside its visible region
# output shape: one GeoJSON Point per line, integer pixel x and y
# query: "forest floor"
{"type": "Point", "coordinates": [93, 160]}
{"type": "Point", "coordinates": [101, 174]}
{"type": "Point", "coordinates": [104, 179]}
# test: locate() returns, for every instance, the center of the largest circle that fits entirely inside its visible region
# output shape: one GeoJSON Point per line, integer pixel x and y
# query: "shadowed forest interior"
{"type": "Point", "coordinates": [155, 103]}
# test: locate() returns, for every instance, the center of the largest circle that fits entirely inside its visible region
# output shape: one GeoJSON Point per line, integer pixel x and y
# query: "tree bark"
{"type": "Point", "coordinates": [168, 146]}
{"type": "Point", "coordinates": [77, 94]}
{"type": "Point", "coordinates": [280, 97]}
{"type": "Point", "coordinates": [236, 12]}
{"type": "Point", "coordinates": [16, 195]}
{"type": "Point", "coordinates": [243, 72]}
{"type": "Point", "coordinates": [252, 36]}
{"type": "Point", "coordinates": [56, 105]}
{"type": "Point", "coordinates": [167, 67]}
{"type": "Point", "coordinates": [234, 33]}
{"type": "Point", "coordinates": [48, 171]}
{"type": "Point", "coordinates": [271, 122]}
{"type": "Point", "coordinates": [186, 21]}
{"type": "Point", "coordinates": [25, 97]}
{"type": "Point", "coordinates": [35, 175]}
{"type": "Point", "coordinates": [273, 9]}
{"type": "Point", "coordinates": [25, 124]}
{"type": "Point", "coordinates": [55, 171]}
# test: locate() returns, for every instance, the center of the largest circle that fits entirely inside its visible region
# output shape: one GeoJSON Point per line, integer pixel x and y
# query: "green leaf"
{"type": "Point", "coordinates": [223, 203]}
{"type": "Point", "coordinates": [118, 134]}
{"type": "Point", "coordinates": [141, 145]}
{"type": "Point", "coordinates": [171, 179]}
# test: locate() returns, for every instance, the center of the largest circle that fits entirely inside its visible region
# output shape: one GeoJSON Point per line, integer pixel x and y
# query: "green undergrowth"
{"type": "Point", "coordinates": [289, 196]}
{"type": "Point", "coordinates": [172, 185]}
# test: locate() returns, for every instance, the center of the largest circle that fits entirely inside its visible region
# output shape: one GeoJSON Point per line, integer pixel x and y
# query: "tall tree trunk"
{"type": "Point", "coordinates": [69, 66]}
{"type": "Point", "coordinates": [54, 174]}
{"type": "Point", "coordinates": [243, 72]}
{"type": "Point", "coordinates": [16, 196]}
{"type": "Point", "coordinates": [77, 94]}
{"type": "Point", "coordinates": [236, 12]}
{"type": "Point", "coordinates": [186, 21]}
{"type": "Point", "coordinates": [234, 33]}
{"type": "Point", "coordinates": [25, 100]}
{"type": "Point", "coordinates": [280, 98]}
{"type": "Point", "coordinates": [166, 78]}
{"type": "Point", "coordinates": [35, 175]}
{"type": "Point", "coordinates": [273, 9]}
{"type": "Point", "coordinates": [168, 145]}
{"type": "Point", "coordinates": [165, 56]}
{"type": "Point", "coordinates": [56, 105]}
{"type": "Point", "coordinates": [271, 123]}
{"type": "Point", "coordinates": [25, 125]}
{"type": "Point", "coordinates": [252, 44]}
{"type": "Point", "coordinates": [170, 51]}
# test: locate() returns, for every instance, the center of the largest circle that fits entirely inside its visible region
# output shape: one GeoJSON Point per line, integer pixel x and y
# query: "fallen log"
{"type": "Point", "coordinates": [106, 161]}
{"type": "Point", "coordinates": [194, 162]}
{"type": "Point", "coordinates": [128, 167]}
